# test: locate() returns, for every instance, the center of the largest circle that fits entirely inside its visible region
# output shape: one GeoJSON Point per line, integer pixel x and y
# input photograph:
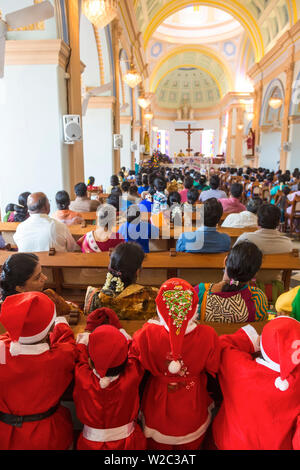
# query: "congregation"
{"type": "Point", "coordinates": [174, 384]}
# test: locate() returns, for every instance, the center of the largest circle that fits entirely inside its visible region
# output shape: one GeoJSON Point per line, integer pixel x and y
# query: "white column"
{"type": "Point", "coordinates": [33, 156]}
{"type": "Point", "coordinates": [98, 140]}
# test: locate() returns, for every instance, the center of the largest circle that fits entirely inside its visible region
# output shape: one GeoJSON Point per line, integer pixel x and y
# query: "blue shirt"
{"type": "Point", "coordinates": [204, 240]}
{"type": "Point", "coordinates": [139, 233]}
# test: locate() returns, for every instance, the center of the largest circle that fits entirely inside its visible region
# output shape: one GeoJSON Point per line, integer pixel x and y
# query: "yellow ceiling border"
{"type": "Point", "coordinates": [201, 50]}
{"type": "Point", "coordinates": [233, 7]}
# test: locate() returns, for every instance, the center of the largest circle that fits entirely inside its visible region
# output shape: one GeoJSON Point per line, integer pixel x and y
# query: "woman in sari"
{"type": "Point", "coordinates": [235, 299]}
{"type": "Point", "coordinates": [120, 292]}
{"type": "Point", "coordinates": [105, 236]}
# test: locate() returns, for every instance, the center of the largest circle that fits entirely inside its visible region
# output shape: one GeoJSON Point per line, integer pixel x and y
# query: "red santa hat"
{"type": "Point", "coordinates": [27, 317]}
{"type": "Point", "coordinates": [176, 302]}
{"type": "Point", "coordinates": [280, 347]}
{"type": "Point", "coordinates": [107, 348]}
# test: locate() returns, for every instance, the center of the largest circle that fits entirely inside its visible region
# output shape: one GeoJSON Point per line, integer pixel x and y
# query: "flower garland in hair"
{"type": "Point", "coordinates": [110, 278]}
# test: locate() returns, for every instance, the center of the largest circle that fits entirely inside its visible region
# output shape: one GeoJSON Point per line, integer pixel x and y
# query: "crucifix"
{"type": "Point", "coordinates": [189, 131]}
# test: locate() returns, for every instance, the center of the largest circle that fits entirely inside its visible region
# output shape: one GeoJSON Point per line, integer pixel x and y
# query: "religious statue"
{"type": "Point", "coordinates": [147, 143]}
{"type": "Point", "coordinates": [185, 113]}
{"type": "Point", "coordinates": [250, 140]}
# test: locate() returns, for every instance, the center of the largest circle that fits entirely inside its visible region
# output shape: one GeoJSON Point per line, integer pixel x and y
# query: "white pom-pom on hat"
{"type": "Point", "coordinates": [282, 385]}
{"type": "Point", "coordinates": [174, 367]}
{"type": "Point", "coordinates": [104, 382]}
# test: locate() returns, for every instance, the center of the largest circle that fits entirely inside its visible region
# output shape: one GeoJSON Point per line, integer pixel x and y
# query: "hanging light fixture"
{"type": "Point", "coordinates": [148, 115]}
{"type": "Point", "coordinates": [132, 77]}
{"type": "Point", "coordinates": [143, 101]}
{"type": "Point", "coordinates": [275, 102]}
{"type": "Point", "coordinates": [100, 12]}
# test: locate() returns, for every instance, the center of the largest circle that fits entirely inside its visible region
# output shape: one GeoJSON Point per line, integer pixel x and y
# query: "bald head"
{"type": "Point", "coordinates": [38, 203]}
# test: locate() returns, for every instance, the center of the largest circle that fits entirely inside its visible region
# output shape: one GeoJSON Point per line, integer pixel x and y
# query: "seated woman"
{"type": "Point", "coordinates": [120, 292]}
{"type": "Point", "coordinates": [22, 272]}
{"type": "Point", "coordinates": [19, 213]}
{"type": "Point", "coordinates": [64, 214]}
{"type": "Point", "coordinates": [234, 300]}
{"type": "Point", "coordinates": [104, 236]}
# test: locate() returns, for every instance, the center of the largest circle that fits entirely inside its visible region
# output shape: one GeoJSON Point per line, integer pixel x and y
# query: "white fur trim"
{"type": "Point", "coordinates": [18, 349]}
{"type": "Point", "coordinates": [124, 332]}
{"type": "Point", "coordinates": [61, 320]}
{"type": "Point", "coordinates": [253, 336]}
{"type": "Point", "coordinates": [83, 338]}
{"type": "Point", "coordinates": [107, 435]}
{"type": "Point", "coordinates": [38, 337]}
{"type": "Point", "coordinates": [282, 385]}
{"type": "Point", "coordinates": [272, 365]}
{"type": "Point", "coordinates": [177, 440]}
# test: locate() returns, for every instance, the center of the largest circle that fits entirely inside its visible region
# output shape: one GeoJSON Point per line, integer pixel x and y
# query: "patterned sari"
{"type": "Point", "coordinates": [247, 305]}
{"type": "Point", "coordinates": [88, 243]}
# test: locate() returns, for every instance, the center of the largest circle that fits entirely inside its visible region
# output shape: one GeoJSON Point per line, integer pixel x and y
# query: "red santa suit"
{"type": "Point", "coordinates": [176, 406]}
{"type": "Point", "coordinates": [261, 406]}
{"type": "Point", "coordinates": [107, 406]}
{"type": "Point", "coordinates": [33, 377]}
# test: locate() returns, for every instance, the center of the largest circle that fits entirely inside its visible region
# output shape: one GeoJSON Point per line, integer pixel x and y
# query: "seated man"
{"type": "Point", "coordinates": [206, 239]}
{"type": "Point", "coordinates": [247, 218]}
{"type": "Point", "coordinates": [82, 203]}
{"type": "Point", "coordinates": [40, 232]}
{"type": "Point", "coordinates": [214, 190]}
{"type": "Point", "coordinates": [269, 240]}
{"type": "Point", "coordinates": [233, 204]}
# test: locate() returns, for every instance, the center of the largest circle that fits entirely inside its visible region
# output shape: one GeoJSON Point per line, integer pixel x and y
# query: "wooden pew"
{"type": "Point", "coordinates": [170, 261]}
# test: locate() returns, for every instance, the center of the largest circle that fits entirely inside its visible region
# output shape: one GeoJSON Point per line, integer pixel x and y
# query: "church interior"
{"type": "Point", "coordinates": [180, 120]}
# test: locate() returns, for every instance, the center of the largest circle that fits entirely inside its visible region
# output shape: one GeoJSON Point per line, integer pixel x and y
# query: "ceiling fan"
{"type": "Point", "coordinates": [94, 92]}
{"type": "Point", "coordinates": [19, 18]}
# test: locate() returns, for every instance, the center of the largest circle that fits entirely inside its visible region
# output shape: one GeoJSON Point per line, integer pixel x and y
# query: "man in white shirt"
{"type": "Point", "coordinates": [246, 218]}
{"type": "Point", "coordinates": [268, 239]}
{"type": "Point", "coordinates": [40, 232]}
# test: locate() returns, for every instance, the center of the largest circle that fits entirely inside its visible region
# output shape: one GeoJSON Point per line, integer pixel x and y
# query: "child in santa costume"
{"type": "Point", "coordinates": [106, 391]}
{"type": "Point", "coordinates": [261, 406]}
{"type": "Point", "coordinates": [176, 407]}
{"type": "Point", "coordinates": [36, 367]}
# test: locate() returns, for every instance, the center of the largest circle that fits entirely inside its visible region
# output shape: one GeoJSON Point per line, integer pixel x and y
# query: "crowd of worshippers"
{"type": "Point", "coordinates": [140, 205]}
{"type": "Point", "coordinates": [175, 384]}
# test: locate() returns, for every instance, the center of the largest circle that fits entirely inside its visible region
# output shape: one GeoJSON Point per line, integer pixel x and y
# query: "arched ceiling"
{"type": "Point", "coordinates": [187, 85]}
{"type": "Point", "coordinates": [263, 20]}
{"type": "Point", "coordinates": [198, 57]}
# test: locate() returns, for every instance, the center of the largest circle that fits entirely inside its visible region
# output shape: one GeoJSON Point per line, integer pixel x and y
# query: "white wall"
{"type": "Point", "coordinates": [98, 145]}
{"type": "Point", "coordinates": [125, 154]}
{"type": "Point", "coordinates": [178, 140]}
{"type": "Point", "coordinates": [270, 150]}
{"type": "Point", "coordinates": [293, 160]}
{"type": "Point", "coordinates": [32, 156]}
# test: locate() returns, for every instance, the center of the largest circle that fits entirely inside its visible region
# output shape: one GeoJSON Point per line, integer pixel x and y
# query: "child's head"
{"type": "Point", "coordinates": [125, 186]}
{"type": "Point", "coordinates": [174, 198]}
{"type": "Point", "coordinates": [108, 351]}
{"type": "Point", "coordinates": [241, 265]}
{"type": "Point", "coordinates": [192, 196]}
{"type": "Point", "coordinates": [160, 185]}
{"type": "Point", "coordinates": [28, 317]}
{"type": "Point", "coordinates": [10, 207]}
{"type": "Point", "coordinates": [125, 262]}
